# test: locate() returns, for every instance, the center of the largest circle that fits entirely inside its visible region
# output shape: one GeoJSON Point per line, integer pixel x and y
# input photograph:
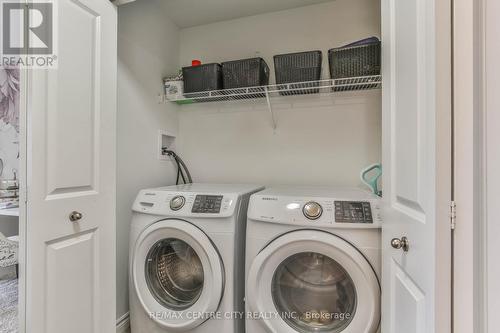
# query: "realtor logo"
{"type": "Point", "coordinates": [28, 34]}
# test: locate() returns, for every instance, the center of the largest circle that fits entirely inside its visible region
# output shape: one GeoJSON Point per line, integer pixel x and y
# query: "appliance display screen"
{"type": "Point", "coordinates": [353, 212]}
{"type": "Point", "coordinates": [207, 204]}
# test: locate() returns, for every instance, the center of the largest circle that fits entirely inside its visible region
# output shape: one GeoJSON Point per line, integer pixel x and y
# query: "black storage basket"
{"type": "Point", "coordinates": [245, 73]}
{"type": "Point", "coordinates": [298, 67]}
{"type": "Point", "coordinates": [355, 61]}
{"type": "Point", "coordinates": [201, 78]}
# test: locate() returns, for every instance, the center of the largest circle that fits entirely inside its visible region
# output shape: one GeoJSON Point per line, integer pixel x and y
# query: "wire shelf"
{"type": "Point", "coordinates": [277, 90]}
{"type": "Point", "coordinates": [300, 88]}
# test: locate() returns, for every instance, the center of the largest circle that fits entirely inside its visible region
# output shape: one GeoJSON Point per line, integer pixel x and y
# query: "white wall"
{"type": "Point", "coordinates": [318, 140]}
{"type": "Point", "coordinates": [147, 51]}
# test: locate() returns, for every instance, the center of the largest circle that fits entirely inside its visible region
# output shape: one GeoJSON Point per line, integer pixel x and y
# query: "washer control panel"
{"type": "Point", "coordinates": [186, 204]}
{"type": "Point", "coordinates": [353, 212]}
{"type": "Point", "coordinates": [207, 204]}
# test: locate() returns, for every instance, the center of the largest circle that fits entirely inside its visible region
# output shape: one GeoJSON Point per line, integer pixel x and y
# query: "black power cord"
{"type": "Point", "coordinates": [182, 170]}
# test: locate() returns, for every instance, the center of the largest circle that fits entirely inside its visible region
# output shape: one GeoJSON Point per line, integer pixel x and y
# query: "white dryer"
{"type": "Point", "coordinates": [187, 258]}
{"type": "Point", "coordinates": [313, 261]}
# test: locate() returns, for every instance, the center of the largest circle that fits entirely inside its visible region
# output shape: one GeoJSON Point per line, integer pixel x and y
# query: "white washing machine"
{"type": "Point", "coordinates": [187, 259]}
{"type": "Point", "coordinates": [313, 261]}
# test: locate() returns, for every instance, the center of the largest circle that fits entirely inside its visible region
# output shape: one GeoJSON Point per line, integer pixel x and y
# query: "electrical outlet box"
{"type": "Point", "coordinates": [165, 140]}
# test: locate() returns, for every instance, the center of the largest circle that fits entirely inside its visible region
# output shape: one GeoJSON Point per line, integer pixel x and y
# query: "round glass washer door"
{"type": "Point", "coordinates": [174, 274]}
{"type": "Point", "coordinates": [316, 290]}
{"type": "Point", "coordinates": [178, 274]}
{"type": "Point", "coordinates": [312, 281]}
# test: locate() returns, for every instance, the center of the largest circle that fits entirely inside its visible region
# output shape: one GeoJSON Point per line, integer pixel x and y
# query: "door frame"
{"type": "Point", "coordinates": [465, 167]}
{"type": "Point", "coordinates": [470, 246]}
{"type": "Point", "coordinates": [489, 192]}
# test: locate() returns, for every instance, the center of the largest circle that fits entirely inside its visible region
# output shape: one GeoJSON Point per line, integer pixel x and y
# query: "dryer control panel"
{"type": "Point", "coordinates": [347, 208]}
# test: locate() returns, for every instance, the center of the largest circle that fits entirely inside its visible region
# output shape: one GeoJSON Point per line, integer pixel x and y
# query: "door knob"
{"type": "Point", "coordinates": [75, 216]}
{"type": "Point", "coordinates": [402, 243]}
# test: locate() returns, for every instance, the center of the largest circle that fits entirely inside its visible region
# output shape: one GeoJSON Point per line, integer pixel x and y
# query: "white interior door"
{"type": "Point", "coordinates": [416, 284]}
{"type": "Point", "coordinates": [70, 265]}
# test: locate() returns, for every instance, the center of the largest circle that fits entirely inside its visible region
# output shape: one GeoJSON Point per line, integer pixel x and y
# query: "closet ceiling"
{"type": "Point", "coordinates": [189, 13]}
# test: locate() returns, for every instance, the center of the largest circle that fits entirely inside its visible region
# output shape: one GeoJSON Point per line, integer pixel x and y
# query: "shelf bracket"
{"type": "Point", "coordinates": [270, 107]}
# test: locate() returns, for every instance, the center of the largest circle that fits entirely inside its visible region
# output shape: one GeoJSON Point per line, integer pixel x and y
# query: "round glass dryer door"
{"type": "Point", "coordinates": [313, 281]}
{"type": "Point", "coordinates": [177, 273]}
{"type": "Point", "coordinates": [174, 274]}
{"type": "Point", "coordinates": [316, 291]}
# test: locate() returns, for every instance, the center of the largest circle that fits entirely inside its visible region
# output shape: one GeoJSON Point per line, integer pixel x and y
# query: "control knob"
{"type": "Point", "coordinates": [177, 202]}
{"type": "Point", "coordinates": [312, 210]}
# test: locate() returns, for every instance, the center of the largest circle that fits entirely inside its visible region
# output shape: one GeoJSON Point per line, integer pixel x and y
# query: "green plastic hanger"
{"type": "Point", "coordinates": [370, 177]}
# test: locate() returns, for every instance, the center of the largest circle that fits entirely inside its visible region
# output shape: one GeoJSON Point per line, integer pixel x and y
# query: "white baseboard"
{"type": "Point", "coordinates": [123, 324]}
